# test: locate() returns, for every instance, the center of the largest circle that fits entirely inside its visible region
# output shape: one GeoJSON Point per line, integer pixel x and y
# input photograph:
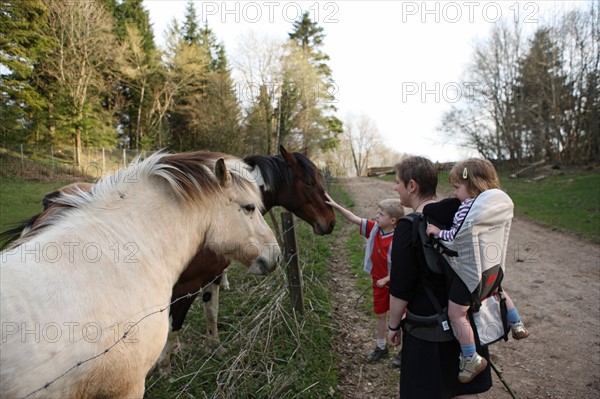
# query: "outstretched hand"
{"type": "Point", "coordinates": [347, 213]}
{"type": "Point", "coordinates": [330, 201]}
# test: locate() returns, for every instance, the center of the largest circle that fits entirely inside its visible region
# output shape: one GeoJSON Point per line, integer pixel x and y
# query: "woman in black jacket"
{"type": "Point", "coordinates": [428, 369]}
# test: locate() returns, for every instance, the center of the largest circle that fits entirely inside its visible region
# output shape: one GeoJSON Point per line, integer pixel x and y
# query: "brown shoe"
{"type": "Point", "coordinates": [519, 331]}
{"type": "Point", "coordinates": [470, 367]}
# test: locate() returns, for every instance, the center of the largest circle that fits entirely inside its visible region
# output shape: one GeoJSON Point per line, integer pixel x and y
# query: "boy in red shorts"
{"type": "Point", "coordinates": [379, 234]}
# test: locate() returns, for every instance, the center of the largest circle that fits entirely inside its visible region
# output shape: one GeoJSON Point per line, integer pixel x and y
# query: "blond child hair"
{"type": "Point", "coordinates": [478, 175]}
{"type": "Point", "coordinates": [392, 207]}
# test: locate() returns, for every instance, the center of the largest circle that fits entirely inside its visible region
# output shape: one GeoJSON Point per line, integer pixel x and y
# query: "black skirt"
{"type": "Point", "coordinates": [430, 370]}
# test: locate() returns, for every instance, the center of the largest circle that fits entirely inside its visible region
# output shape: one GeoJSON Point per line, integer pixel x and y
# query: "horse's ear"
{"type": "Point", "coordinates": [222, 173]}
{"type": "Point", "coordinates": [288, 157]}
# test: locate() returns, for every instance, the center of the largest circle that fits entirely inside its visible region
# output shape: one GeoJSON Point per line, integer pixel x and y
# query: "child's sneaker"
{"type": "Point", "coordinates": [377, 355]}
{"type": "Point", "coordinates": [519, 331]}
{"type": "Point", "coordinates": [470, 367]}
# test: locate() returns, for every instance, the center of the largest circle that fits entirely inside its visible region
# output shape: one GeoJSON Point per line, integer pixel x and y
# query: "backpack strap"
{"type": "Point", "coordinates": [429, 257]}
{"type": "Point", "coordinates": [491, 282]}
{"type": "Point", "coordinates": [414, 218]}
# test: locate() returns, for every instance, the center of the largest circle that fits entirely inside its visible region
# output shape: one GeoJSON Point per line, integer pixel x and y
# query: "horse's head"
{"type": "Point", "coordinates": [307, 199]}
{"type": "Point", "coordinates": [242, 233]}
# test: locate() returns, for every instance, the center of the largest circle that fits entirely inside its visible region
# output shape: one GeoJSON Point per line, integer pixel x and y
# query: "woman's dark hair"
{"type": "Point", "coordinates": [422, 171]}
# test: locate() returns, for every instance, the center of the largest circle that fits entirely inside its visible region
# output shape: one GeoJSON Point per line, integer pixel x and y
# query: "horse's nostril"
{"type": "Point", "coordinates": [332, 224]}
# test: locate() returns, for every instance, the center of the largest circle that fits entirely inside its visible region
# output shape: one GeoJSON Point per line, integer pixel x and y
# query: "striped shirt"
{"type": "Point", "coordinates": [463, 209]}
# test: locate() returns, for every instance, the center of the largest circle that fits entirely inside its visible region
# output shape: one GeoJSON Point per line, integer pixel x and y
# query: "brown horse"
{"type": "Point", "coordinates": [291, 181]}
{"type": "Point", "coordinates": [8, 237]}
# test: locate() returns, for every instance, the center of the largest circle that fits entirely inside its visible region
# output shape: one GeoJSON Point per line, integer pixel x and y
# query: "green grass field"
{"type": "Point", "coordinates": [21, 199]}
{"type": "Point", "coordinates": [569, 201]}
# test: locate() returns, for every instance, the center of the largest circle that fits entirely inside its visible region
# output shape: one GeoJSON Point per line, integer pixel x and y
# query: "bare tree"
{"type": "Point", "coordinates": [84, 49]}
{"type": "Point", "coordinates": [578, 36]}
{"type": "Point", "coordinates": [363, 137]}
{"type": "Point", "coordinates": [486, 119]}
{"type": "Point", "coordinates": [536, 99]}
{"type": "Point", "coordinates": [259, 70]}
{"type": "Point", "coordinates": [384, 156]}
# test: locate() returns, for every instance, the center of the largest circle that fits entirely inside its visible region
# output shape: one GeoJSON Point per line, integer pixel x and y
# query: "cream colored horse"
{"type": "Point", "coordinates": [84, 298]}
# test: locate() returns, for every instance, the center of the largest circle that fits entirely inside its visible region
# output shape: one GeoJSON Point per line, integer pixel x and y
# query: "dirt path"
{"type": "Point", "coordinates": [553, 278]}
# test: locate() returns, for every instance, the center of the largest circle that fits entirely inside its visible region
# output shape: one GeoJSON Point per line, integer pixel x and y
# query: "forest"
{"type": "Point", "coordinates": [90, 74]}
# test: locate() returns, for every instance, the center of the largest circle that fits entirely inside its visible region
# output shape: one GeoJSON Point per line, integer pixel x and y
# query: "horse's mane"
{"type": "Point", "coordinates": [8, 237]}
{"type": "Point", "coordinates": [52, 211]}
{"type": "Point", "coordinates": [276, 174]}
{"type": "Point", "coordinates": [190, 176]}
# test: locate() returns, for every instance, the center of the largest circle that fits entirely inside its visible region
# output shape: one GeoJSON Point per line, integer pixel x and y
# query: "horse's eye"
{"type": "Point", "coordinates": [249, 208]}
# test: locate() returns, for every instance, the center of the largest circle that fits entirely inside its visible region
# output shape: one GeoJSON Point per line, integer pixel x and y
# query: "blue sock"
{"type": "Point", "coordinates": [468, 350]}
{"type": "Point", "coordinates": [513, 316]}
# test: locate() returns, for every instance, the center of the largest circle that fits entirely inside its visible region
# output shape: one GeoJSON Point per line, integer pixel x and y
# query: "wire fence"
{"type": "Point", "coordinates": [42, 162]}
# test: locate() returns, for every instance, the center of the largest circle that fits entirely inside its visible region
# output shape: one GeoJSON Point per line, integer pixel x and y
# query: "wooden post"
{"type": "Point", "coordinates": [290, 256]}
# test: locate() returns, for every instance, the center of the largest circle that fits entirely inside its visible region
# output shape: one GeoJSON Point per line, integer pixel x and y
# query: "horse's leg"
{"type": "Point", "coordinates": [211, 314]}
{"type": "Point", "coordinates": [178, 311]}
{"type": "Point", "coordinates": [163, 364]}
{"type": "Point", "coordinates": [136, 390]}
{"type": "Point", "coordinates": [225, 281]}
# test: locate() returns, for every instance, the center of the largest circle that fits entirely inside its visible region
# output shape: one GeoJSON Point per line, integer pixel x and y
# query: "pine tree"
{"type": "Point", "coordinates": [191, 28]}
{"type": "Point", "coordinates": [207, 115]}
{"type": "Point", "coordinates": [306, 114]}
{"type": "Point", "coordinates": [310, 38]}
{"type": "Point", "coordinates": [139, 65]}
{"type": "Point", "coordinates": [22, 43]}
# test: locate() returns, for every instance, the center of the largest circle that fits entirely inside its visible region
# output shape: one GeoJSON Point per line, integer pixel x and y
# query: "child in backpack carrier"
{"type": "Point", "coordinates": [470, 178]}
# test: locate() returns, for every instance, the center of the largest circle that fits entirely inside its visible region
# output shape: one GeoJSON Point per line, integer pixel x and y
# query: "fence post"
{"type": "Point", "coordinates": [290, 256]}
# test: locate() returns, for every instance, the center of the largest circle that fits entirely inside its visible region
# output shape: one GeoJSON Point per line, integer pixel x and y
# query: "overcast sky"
{"type": "Point", "coordinates": [399, 62]}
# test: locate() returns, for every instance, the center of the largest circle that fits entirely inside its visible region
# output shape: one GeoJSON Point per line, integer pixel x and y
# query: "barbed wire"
{"type": "Point", "coordinates": [132, 326]}
{"type": "Point", "coordinates": [123, 336]}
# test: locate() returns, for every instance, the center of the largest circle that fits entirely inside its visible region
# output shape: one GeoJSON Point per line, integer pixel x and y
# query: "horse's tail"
{"type": "Point", "coordinates": [19, 230]}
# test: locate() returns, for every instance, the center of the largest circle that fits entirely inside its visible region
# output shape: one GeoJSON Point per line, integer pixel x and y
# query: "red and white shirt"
{"type": "Point", "coordinates": [378, 249]}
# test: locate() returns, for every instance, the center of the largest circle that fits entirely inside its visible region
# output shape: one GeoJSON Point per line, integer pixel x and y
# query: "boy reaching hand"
{"type": "Point", "coordinates": [379, 234]}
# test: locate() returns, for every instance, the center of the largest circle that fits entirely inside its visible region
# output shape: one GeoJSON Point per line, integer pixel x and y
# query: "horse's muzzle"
{"type": "Point", "coordinates": [262, 266]}
{"type": "Point", "coordinates": [322, 229]}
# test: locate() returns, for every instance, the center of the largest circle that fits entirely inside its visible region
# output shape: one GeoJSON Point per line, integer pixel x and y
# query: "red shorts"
{"type": "Point", "coordinates": [381, 299]}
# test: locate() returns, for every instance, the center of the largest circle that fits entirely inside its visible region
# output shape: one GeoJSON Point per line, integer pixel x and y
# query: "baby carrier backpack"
{"type": "Point", "coordinates": [477, 255]}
